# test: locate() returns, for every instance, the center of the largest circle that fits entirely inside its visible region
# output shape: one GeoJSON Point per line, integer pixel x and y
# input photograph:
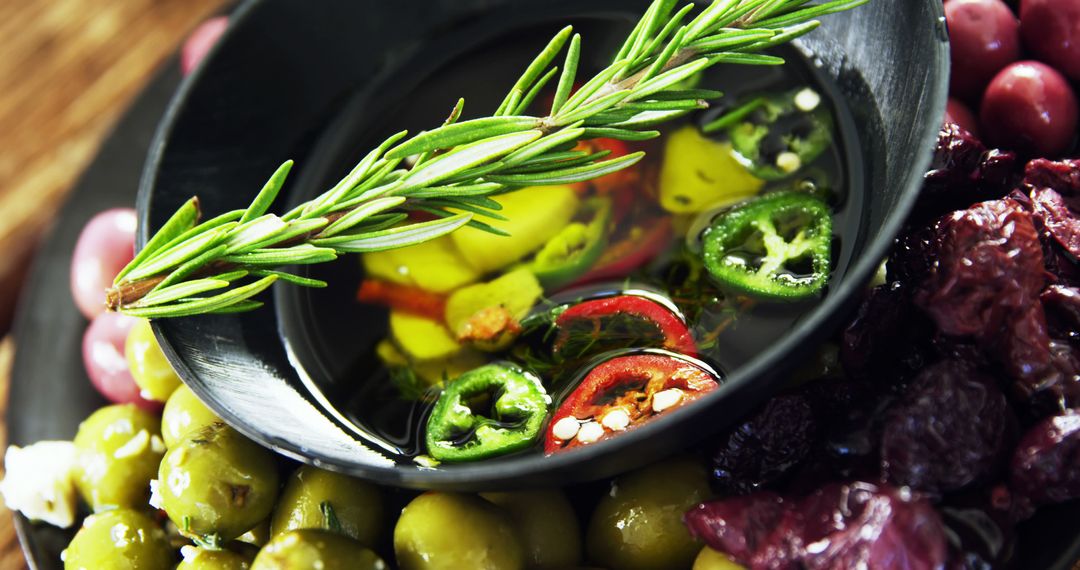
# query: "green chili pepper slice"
{"type": "Point", "coordinates": [492, 410]}
{"type": "Point", "coordinates": [575, 249]}
{"type": "Point", "coordinates": [777, 135]}
{"type": "Point", "coordinates": [775, 247]}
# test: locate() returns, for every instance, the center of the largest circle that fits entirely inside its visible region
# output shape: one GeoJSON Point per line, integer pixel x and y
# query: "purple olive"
{"type": "Point", "coordinates": [199, 43]}
{"type": "Point", "coordinates": [1030, 107]}
{"type": "Point", "coordinates": [1051, 31]}
{"type": "Point", "coordinates": [105, 246]}
{"type": "Point", "coordinates": [957, 113]}
{"type": "Point", "coordinates": [106, 365]}
{"type": "Point", "coordinates": [985, 37]}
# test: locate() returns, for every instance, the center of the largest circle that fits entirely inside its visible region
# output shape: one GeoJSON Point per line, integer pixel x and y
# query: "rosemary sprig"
{"type": "Point", "coordinates": [217, 266]}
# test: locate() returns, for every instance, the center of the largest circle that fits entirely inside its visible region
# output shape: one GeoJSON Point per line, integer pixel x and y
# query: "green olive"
{"type": "Point", "coordinates": [257, 536]}
{"type": "Point", "coordinates": [314, 498]}
{"type": "Point", "coordinates": [709, 559]}
{"type": "Point", "coordinates": [119, 450]}
{"type": "Point", "coordinates": [452, 530]}
{"type": "Point", "coordinates": [314, 548]}
{"type": "Point", "coordinates": [196, 558]}
{"type": "Point", "coordinates": [638, 525]}
{"type": "Point", "coordinates": [120, 539]}
{"type": "Point", "coordinates": [546, 525]}
{"type": "Point", "coordinates": [183, 414]}
{"type": "Point", "coordinates": [217, 482]}
{"type": "Point", "coordinates": [151, 371]}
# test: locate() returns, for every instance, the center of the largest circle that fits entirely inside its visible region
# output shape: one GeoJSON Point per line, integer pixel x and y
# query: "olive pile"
{"type": "Point", "coordinates": [184, 488]}
{"type": "Point", "coordinates": [221, 499]}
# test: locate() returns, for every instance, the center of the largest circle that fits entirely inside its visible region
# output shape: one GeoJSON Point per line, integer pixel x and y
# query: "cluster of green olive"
{"type": "Point", "coordinates": [186, 483]}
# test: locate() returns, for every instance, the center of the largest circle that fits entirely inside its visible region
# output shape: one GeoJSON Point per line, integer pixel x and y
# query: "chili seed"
{"type": "Point", "coordinates": [566, 428]}
{"type": "Point", "coordinates": [666, 399]}
{"type": "Point", "coordinates": [807, 100]}
{"type": "Point", "coordinates": [788, 162]}
{"type": "Point", "coordinates": [616, 420]}
{"type": "Point", "coordinates": [590, 432]}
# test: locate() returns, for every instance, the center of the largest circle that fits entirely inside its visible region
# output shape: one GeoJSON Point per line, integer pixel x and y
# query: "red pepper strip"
{"type": "Point", "coordinates": [625, 385]}
{"type": "Point", "coordinates": [615, 180]}
{"type": "Point", "coordinates": [677, 337]}
{"type": "Point", "coordinates": [625, 256]}
{"type": "Point", "coordinates": [405, 298]}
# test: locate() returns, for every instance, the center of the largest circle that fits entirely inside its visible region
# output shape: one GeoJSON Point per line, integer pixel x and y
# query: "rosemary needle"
{"type": "Point", "coordinates": [190, 268]}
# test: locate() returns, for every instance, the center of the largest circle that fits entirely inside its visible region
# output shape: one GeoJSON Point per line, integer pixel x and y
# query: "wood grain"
{"type": "Point", "coordinates": [68, 69]}
{"type": "Point", "coordinates": [10, 554]}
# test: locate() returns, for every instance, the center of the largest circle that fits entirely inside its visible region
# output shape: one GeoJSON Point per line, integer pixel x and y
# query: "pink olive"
{"type": "Point", "coordinates": [984, 37]}
{"type": "Point", "coordinates": [1051, 30]}
{"type": "Point", "coordinates": [1030, 107]}
{"type": "Point", "coordinates": [103, 357]}
{"type": "Point", "coordinates": [957, 112]}
{"type": "Point", "coordinates": [200, 42]}
{"type": "Point", "coordinates": [105, 246]}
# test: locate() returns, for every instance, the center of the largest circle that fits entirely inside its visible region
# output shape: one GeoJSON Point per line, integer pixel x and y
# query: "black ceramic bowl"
{"type": "Point", "coordinates": [290, 81]}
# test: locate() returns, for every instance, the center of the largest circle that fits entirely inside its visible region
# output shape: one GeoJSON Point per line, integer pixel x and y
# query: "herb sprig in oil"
{"type": "Point", "coordinates": [194, 267]}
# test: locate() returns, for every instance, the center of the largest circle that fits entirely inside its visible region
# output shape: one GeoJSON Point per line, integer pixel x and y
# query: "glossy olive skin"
{"type": "Point", "coordinates": [313, 548]}
{"type": "Point", "coordinates": [196, 558]}
{"type": "Point", "coordinates": [119, 450]}
{"type": "Point", "coordinates": [638, 525]}
{"type": "Point", "coordinates": [119, 539]}
{"type": "Point", "coordinates": [454, 530]}
{"type": "Point", "coordinates": [1051, 30]}
{"type": "Point", "coordinates": [958, 113]}
{"type": "Point", "coordinates": [984, 37]}
{"type": "Point", "coordinates": [709, 559]}
{"type": "Point", "coordinates": [148, 365]}
{"type": "Point", "coordinates": [216, 481]}
{"type": "Point", "coordinates": [1031, 108]}
{"type": "Point", "coordinates": [183, 414]}
{"type": "Point", "coordinates": [357, 505]}
{"type": "Point", "coordinates": [546, 525]}
{"type": "Point", "coordinates": [257, 536]}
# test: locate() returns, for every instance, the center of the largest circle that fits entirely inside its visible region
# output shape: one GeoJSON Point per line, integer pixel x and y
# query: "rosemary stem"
{"type": "Point", "coordinates": [462, 163]}
{"type": "Point", "coordinates": [129, 292]}
{"type": "Point", "coordinates": [132, 291]}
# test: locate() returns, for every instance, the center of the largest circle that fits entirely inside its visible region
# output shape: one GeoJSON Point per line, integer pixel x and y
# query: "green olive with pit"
{"type": "Point", "coordinates": [197, 558]}
{"type": "Point", "coordinates": [453, 530]}
{"type": "Point", "coordinates": [709, 559]}
{"type": "Point", "coordinates": [184, 413]}
{"type": "Point", "coordinates": [545, 524]}
{"type": "Point", "coordinates": [119, 449]}
{"type": "Point", "coordinates": [217, 483]}
{"type": "Point", "coordinates": [314, 548]}
{"type": "Point", "coordinates": [638, 524]}
{"type": "Point", "coordinates": [315, 498]}
{"type": "Point", "coordinates": [119, 539]}
{"type": "Point", "coordinates": [149, 367]}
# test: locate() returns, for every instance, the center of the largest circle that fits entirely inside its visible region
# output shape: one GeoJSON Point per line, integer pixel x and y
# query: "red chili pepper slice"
{"type": "Point", "coordinates": [615, 180]}
{"type": "Point", "coordinates": [625, 256]}
{"type": "Point", "coordinates": [623, 393]}
{"type": "Point", "coordinates": [405, 298]}
{"type": "Point", "coordinates": [676, 336]}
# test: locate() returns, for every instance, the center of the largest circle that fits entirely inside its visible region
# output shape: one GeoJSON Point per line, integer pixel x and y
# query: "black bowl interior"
{"type": "Point", "coordinates": [290, 82]}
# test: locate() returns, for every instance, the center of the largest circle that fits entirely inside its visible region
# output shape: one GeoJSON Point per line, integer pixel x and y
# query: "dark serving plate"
{"type": "Point", "coordinates": [50, 393]}
{"type": "Point", "coordinates": [291, 82]}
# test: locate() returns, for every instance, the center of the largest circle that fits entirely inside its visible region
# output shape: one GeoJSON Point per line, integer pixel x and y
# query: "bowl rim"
{"type": "Point", "coordinates": [502, 473]}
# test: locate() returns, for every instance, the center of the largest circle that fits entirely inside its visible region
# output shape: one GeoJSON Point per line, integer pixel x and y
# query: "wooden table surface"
{"type": "Point", "coordinates": [68, 69]}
